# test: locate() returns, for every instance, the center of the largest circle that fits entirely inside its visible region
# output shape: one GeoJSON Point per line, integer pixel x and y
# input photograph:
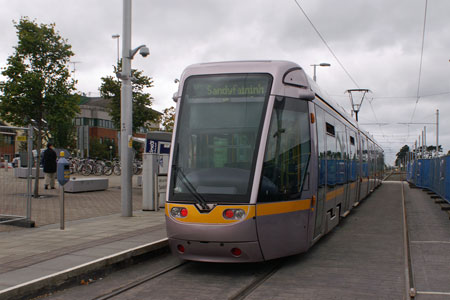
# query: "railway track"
{"type": "Point", "coordinates": [117, 292]}
{"type": "Point", "coordinates": [260, 279]}
{"type": "Point", "coordinates": [410, 290]}
{"type": "Point", "coordinates": [260, 276]}
{"type": "Point", "coordinates": [395, 176]}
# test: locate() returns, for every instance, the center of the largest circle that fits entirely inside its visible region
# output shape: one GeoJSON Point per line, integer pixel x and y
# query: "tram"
{"type": "Point", "coordinates": [263, 163]}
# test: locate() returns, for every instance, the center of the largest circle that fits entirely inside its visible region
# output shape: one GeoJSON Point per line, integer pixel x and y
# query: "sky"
{"type": "Point", "coordinates": [378, 43]}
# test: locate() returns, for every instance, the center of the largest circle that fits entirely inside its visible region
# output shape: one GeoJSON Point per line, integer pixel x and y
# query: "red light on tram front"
{"type": "Point", "coordinates": [180, 248]}
{"type": "Point", "coordinates": [184, 212]}
{"type": "Point", "coordinates": [236, 252]}
{"type": "Point", "coordinates": [229, 213]}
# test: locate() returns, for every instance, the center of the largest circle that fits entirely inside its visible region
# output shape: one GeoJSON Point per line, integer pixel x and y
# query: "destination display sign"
{"type": "Point", "coordinates": [228, 86]}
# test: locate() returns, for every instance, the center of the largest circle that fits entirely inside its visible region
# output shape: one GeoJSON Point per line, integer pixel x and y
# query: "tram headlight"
{"type": "Point", "coordinates": [179, 212]}
{"type": "Point", "coordinates": [233, 214]}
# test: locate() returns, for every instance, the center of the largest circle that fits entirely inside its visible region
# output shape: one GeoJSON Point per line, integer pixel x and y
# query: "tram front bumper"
{"type": "Point", "coordinates": [216, 251]}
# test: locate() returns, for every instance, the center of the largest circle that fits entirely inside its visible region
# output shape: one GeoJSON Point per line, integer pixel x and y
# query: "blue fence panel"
{"type": "Point", "coordinates": [433, 174]}
{"type": "Point", "coordinates": [426, 178]}
{"type": "Point", "coordinates": [442, 164]}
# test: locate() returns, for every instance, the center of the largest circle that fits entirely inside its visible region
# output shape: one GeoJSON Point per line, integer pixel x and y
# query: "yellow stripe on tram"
{"type": "Point", "coordinates": [333, 194]}
{"type": "Point", "coordinates": [282, 207]}
{"type": "Point", "coordinates": [215, 216]}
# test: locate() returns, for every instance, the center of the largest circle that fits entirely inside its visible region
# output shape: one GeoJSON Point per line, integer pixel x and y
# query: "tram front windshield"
{"type": "Point", "coordinates": [218, 132]}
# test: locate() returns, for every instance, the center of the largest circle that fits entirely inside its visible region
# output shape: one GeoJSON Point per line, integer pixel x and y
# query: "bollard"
{"type": "Point", "coordinates": [63, 175]}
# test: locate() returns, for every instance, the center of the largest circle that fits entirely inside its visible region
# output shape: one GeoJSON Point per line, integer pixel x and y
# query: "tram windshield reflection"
{"type": "Point", "coordinates": [218, 133]}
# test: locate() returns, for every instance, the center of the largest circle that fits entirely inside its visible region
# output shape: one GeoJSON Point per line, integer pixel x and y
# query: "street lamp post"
{"type": "Point", "coordinates": [117, 37]}
{"type": "Point", "coordinates": [126, 109]}
{"type": "Point", "coordinates": [319, 65]}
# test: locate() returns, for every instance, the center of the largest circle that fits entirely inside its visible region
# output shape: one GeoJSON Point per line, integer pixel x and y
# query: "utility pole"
{"type": "Point", "coordinates": [437, 132]}
{"type": "Point", "coordinates": [126, 113]}
{"type": "Point", "coordinates": [425, 139]}
{"type": "Point", "coordinates": [126, 109]}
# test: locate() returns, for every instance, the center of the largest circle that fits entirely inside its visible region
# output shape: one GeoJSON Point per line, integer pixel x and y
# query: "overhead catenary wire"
{"type": "Point", "coordinates": [401, 97]}
{"type": "Point", "coordinates": [421, 60]}
{"type": "Point", "coordinates": [326, 44]}
{"type": "Point", "coordinates": [331, 51]}
{"type": "Point", "coordinates": [417, 97]}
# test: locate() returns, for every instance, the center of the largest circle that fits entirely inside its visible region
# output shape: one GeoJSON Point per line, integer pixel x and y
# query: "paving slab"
{"type": "Point", "coordinates": [38, 258]}
{"type": "Point", "coordinates": [429, 232]}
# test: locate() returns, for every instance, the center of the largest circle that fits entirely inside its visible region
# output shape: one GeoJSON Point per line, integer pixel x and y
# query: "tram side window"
{"type": "Point", "coordinates": [365, 157]}
{"type": "Point", "coordinates": [287, 153]}
{"type": "Point", "coordinates": [353, 158]}
{"type": "Point", "coordinates": [331, 154]}
{"type": "Point", "coordinates": [321, 147]}
{"type": "Point", "coordinates": [341, 153]}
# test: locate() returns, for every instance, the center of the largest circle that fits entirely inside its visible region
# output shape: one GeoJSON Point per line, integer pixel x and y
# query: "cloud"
{"type": "Point", "coordinates": [379, 43]}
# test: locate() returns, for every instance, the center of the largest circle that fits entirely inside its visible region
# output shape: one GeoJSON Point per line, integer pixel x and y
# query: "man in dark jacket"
{"type": "Point", "coordinates": [49, 162]}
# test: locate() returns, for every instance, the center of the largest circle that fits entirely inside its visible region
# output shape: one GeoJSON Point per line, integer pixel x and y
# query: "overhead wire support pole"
{"type": "Point", "coordinates": [437, 132]}
{"type": "Point", "coordinates": [357, 106]}
{"type": "Point", "coordinates": [425, 139]}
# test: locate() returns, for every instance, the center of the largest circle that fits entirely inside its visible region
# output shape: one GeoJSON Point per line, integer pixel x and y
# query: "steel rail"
{"type": "Point", "coordinates": [138, 282]}
{"type": "Point", "coordinates": [410, 291]}
{"type": "Point", "coordinates": [247, 290]}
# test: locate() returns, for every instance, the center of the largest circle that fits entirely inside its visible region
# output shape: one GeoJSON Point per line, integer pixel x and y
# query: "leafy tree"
{"type": "Point", "coordinates": [401, 155]}
{"type": "Point", "coordinates": [102, 150]}
{"type": "Point", "coordinates": [97, 149]}
{"type": "Point", "coordinates": [63, 134]}
{"type": "Point", "coordinates": [38, 88]}
{"type": "Point", "coordinates": [433, 148]}
{"type": "Point", "coordinates": [168, 119]}
{"type": "Point", "coordinates": [142, 113]}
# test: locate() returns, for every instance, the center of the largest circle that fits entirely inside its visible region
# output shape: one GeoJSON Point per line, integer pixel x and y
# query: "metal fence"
{"type": "Point", "coordinates": [15, 188]}
{"type": "Point", "coordinates": [432, 174]}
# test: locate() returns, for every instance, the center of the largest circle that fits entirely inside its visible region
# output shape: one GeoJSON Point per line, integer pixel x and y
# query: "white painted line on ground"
{"type": "Point", "coordinates": [430, 242]}
{"type": "Point", "coordinates": [80, 266]}
{"type": "Point", "coordinates": [432, 293]}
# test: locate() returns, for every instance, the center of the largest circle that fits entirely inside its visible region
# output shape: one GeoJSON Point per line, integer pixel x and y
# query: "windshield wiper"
{"type": "Point", "coordinates": [200, 200]}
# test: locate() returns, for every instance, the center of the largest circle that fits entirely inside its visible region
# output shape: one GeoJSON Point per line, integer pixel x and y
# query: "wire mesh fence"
{"type": "Point", "coordinates": [13, 195]}
{"type": "Point", "coordinates": [45, 209]}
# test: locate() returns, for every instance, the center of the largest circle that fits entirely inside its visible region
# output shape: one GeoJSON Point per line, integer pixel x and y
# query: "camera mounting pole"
{"type": "Point", "coordinates": [126, 109]}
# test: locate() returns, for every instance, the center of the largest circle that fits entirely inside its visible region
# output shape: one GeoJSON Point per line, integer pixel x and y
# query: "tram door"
{"type": "Point", "coordinates": [284, 172]}
{"type": "Point", "coordinates": [322, 164]}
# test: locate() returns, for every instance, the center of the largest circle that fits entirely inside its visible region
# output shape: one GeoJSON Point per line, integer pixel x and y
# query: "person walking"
{"type": "Point", "coordinates": [49, 162]}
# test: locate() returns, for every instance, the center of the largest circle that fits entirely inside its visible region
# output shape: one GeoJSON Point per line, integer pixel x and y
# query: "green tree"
{"type": "Point", "coordinates": [105, 150]}
{"type": "Point", "coordinates": [168, 119]}
{"type": "Point", "coordinates": [63, 134]}
{"type": "Point", "coordinates": [142, 113]}
{"type": "Point", "coordinates": [38, 88]}
{"type": "Point", "coordinates": [97, 149]}
{"type": "Point", "coordinates": [401, 155]}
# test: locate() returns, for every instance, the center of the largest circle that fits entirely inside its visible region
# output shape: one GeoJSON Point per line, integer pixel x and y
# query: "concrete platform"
{"type": "Point", "coordinates": [362, 258]}
{"type": "Point", "coordinates": [34, 261]}
{"type": "Point", "coordinates": [80, 185]}
{"type": "Point", "coordinates": [23, 172]}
